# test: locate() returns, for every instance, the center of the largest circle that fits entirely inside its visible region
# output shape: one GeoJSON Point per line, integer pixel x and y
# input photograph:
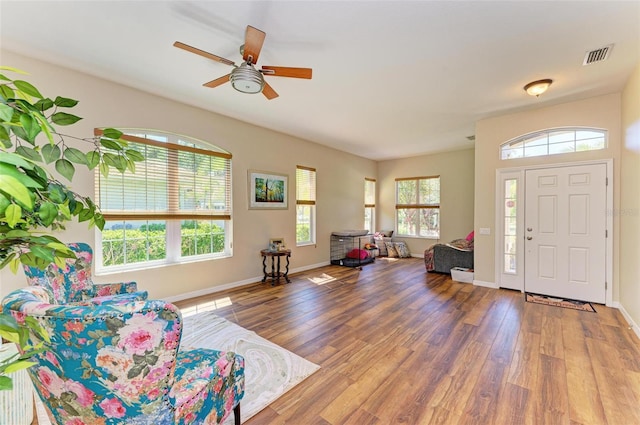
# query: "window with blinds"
{"type": "Point", "coordinates": [418, 207]}
{"type": "Point", "coordinates": [305, 205]}
{"type": "Point", "coordinates": [369, 204]}
{"type": "Point", "coordinates": [173, 206]}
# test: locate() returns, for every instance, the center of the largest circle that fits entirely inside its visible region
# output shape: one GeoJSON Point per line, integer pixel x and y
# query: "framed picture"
{"type": "Point", "coordinates": [268, 190]}
{"type": "Point", "coordinates": [276, 244]}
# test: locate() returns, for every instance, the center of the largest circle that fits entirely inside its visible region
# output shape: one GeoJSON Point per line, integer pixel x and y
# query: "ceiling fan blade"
{"type": "Point", "coordinates": [283, 71]}
{"type": "Point", "coordinates": [253, 40]}
{"type": "Point", "coordinates": [269, 92]}
{"type": "Point", "coordinates": [217, 82]}
{"type": "Point", "coordinates": [203, 53]}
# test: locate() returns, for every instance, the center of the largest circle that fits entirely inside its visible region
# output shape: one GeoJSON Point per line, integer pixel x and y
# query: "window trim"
{"type": "Point", "coordinates": [522, 141]}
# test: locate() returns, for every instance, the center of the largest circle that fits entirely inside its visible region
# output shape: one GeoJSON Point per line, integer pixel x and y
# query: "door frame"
{"type": "Point", "coordinates": [516, 280]}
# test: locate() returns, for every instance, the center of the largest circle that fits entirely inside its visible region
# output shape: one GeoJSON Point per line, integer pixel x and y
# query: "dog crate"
{"type": "Point", "coordinates": [350, 248]}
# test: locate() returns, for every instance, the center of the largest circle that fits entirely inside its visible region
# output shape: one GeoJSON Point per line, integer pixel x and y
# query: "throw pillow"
{"type": "Point", "coordinates": [402, 249]}
{"type": "Point", "coordinates": [470, 236]}
{"type": "Point", "coordinates": [391, 250]}
{"type": "Point", "coordinates": [358, 254]}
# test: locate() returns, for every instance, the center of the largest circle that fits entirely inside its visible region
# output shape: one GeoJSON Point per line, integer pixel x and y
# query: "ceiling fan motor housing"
{"type": "Point", "coordinates": [246, 79]}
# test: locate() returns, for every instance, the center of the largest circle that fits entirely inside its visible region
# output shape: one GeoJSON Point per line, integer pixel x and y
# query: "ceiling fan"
{"type": "Point", "coordinates": [246, 78]}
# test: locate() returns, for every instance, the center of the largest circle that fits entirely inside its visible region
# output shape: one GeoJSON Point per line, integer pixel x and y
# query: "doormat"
{"type": "Point", "coordinates": [560, 302]}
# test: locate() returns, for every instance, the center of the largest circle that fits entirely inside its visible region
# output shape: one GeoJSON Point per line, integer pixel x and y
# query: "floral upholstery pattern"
{"type": "Point", "coordinates": [121, 362]}
{"type": "Point", "coordinates": [73, 282]}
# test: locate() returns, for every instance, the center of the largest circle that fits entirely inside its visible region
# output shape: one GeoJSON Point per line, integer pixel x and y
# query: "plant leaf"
{"type": "Point", "coordinates": [86, 214]}
{"type": "Point", "coordinates": [51, 153]}
{"type": "Point", "coordinates": [65, 102]}
{"type": "Point", "coordinates": [62, 118]}
{"type": "Point", "coordinates": [131, 166]}
{"type": "Point", "coordinates": [5, 383]}
{"type": "Point", "coordinates": [65, 168]}
{"type": "Point", "coordinates": [111, 144]}
{"type": "Point", "coordinates": [7, 92]}
{"type": "Point", "coordinates": [112, 133]}
{"type": "Point", "coordinates": [76, 155]}
{"type": "Point", "coordinates": [6, 112]}
{"type": "Point", "coordinates": [10, 169]}
{"type": "Point", "coordinates": [30, 126]}
{"type": "Point", "coordinates": [29, 153]}
{"type": "Point", "coordinates": [48, 213]}
{"type": "Point", "coordinates": [19, 365]}
{"type": "Point", "coordinates": [13, 214]}
{"type": "Point", "coordinates": [41, 252]}
{"type": "Point", "coordinates": [44, 104]}
{"type": "Point", "coordinates": [4, 137]}
{"type": "Point", "coordinates": [104, 169]}
{"type": "Point", "coordinates": [134, 155]}
{"type": "Point", "coordinates": [17, 160]}
{"type": "Point", "coordinates": [14, 188]}
{"type": "Point", "coordinates": [93, 159]}
{"type": "Point", "coordinates": [27, 88]}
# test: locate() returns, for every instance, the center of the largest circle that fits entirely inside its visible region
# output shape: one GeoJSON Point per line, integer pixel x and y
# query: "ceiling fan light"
{"type": "Point", "coordinates": [247, 79]}
{"type": "Point", "coordinates": [536, 88]}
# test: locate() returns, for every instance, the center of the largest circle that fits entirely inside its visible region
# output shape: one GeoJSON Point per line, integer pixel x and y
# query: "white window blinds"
{"type": "Point", "coordinates": [305, 185]}
{"type": "Point", "coordinates": [177, 180]}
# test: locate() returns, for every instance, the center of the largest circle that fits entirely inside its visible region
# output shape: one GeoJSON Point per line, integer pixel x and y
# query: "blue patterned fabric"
{"type": "Point", "coordinates": [73, 283]}
{"type": "Point", "coordinates": [121, 363]}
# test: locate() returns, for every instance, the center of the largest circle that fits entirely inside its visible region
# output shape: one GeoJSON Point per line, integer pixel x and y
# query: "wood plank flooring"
{"type": "Point", "coordinates": [398, 345]}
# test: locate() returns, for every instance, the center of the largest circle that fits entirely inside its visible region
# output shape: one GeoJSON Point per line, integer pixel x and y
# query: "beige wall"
{"type": "Point", "coordinates": [456, 171]}
{"type": "Point", "coordinates": [601, 112]}
{"type": "Point", "coordinates": [340, 176]}
{"type": "Point", "coordinates": [630, 199]}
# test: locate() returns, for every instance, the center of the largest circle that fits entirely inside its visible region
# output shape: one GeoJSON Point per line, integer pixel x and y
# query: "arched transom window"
{"type": "Point", "coordinates": [554, 141]}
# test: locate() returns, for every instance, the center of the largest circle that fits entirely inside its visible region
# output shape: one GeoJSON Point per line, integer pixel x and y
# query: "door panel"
{"type": "Point", "coordinates": [565, 243]}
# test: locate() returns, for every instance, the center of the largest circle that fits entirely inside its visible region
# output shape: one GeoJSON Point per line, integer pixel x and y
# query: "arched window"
{"type": "Point", "coordinates": [554, 141]}
{"type": "Point", "coordinates": [174, 206]}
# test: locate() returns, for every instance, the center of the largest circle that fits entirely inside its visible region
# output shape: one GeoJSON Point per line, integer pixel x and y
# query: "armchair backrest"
{"type": "Point", "coordinates": [69, 284]}
{"type": "Point", "coordinates": [113, 361]}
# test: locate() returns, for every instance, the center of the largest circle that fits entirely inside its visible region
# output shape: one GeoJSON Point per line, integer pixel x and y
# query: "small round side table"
{"type": "Point", "coordinates": [275, 256]}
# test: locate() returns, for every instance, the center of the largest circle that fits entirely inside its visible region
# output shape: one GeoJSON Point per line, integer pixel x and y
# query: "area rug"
{"type": "Point", "coordinates": [560, 302]}
{"type": "Point", "coordinates": [270, 370]}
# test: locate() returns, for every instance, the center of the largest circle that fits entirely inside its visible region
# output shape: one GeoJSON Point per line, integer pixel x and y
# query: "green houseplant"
{"type": "Point", "coordinates": [33, 202]}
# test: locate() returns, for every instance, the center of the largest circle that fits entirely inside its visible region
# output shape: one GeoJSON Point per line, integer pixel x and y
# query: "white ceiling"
{"type": "Point", "coordinates": [390, 78]}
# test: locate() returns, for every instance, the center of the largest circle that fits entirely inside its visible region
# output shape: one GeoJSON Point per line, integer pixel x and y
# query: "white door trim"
{"type": "Point", "coordinates": [501, 175]}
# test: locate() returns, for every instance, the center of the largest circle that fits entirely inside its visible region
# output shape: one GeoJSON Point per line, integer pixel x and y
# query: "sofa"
{"type": "Point", "coordinates": [441, 258]}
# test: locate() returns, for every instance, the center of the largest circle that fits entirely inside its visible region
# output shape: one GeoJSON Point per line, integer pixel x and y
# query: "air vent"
{"type": "Point", "coordinates": [597, 55]}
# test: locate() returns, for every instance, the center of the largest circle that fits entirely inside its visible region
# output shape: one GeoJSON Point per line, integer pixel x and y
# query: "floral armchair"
{"type": "Point", "coordinates": [121, 362]}
{"type": "Point", "coordinates": [74, 284]}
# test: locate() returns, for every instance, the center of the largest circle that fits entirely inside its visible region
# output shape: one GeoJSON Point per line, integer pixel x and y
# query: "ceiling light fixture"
{"type": "Point", "coordinates": [536, 88]}
{"type": "Point", "coordinates": [246, 79]}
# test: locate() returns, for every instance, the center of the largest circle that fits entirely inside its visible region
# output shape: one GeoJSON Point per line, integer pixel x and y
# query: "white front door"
{"type": "Point", "coordinates": [565, 232]}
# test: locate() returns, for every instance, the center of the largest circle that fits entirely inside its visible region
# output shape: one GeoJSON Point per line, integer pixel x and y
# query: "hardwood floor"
{"type": "Point", "coordinates": [398, 345]}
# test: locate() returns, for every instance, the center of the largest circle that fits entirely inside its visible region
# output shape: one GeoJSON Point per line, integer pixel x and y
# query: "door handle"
{"type": "Point", "coordinates": [529, 238]}
{"type": "Point", "coordinates": [529, 229]}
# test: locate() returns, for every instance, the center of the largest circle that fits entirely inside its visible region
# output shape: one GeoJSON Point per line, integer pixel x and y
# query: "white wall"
{"type": "Point", "coordinates": [340, 178]}
{"type": "Point", "coordinates": [629, 213]}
